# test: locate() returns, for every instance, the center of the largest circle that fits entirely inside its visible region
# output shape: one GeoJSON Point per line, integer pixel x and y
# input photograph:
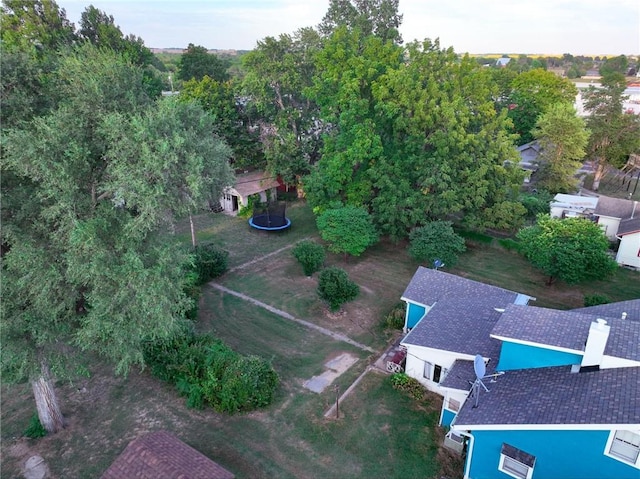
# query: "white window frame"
{"type": "Point", "coordinates": [505, 468]}
{"type": "Point", "coordinates": [429, 369]}
{"type": "Point", "coordinates": [611, 443]}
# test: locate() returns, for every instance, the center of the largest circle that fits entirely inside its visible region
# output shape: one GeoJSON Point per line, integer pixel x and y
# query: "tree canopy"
{"type": "Point", "coordinates": [197, 62]}
{"type": "Point", "coordinates": [347, 229]}
{"type": "Point", "coordinates": [571, 249]}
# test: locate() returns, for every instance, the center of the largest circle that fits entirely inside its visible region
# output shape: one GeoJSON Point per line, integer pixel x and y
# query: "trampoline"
{"type": "Point", "coordinates": [270, 217]}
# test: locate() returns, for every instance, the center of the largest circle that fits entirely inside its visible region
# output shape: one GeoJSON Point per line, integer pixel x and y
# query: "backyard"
{"type": "Point", "coordinates": [380, 432]}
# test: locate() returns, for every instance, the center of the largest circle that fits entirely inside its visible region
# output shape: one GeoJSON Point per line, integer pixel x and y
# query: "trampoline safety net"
{"type": "Point", "coordinates": [271, 215]}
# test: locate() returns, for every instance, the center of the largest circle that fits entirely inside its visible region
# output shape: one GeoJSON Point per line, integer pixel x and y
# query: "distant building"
{"type": "Point", "coordinates": [502, 62]}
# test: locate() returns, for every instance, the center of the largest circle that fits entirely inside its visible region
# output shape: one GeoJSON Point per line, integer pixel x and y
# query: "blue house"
{"type": "Point", "coordinates": [563, 397]}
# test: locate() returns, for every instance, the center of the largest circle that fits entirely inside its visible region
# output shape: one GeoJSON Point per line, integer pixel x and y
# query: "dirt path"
{"type": "Point", "coordinates": [273, 253]}
{"type": "Point", "coordinates": [284, 314]}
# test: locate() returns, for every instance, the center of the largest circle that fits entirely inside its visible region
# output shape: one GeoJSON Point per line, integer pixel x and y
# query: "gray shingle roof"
{"type": "Point", "coordinates": [462, 374]}
{"type": "Point", "coordinates": [629, 226]}
{"type": "Point", "coordinates": [567, 329]}
{"type": "Point", "coordinates": [161, 455]}
{"type": "Point", "coordinates": [614, 207]}
{"type": "Point", "coordinates": [462, 325]}
{"type": "Point", "coordinates": [548, 396]}
{"type": "Point", "coordinates": [615, 310]}
{"type": "Point", "coordinates": [429, 285]}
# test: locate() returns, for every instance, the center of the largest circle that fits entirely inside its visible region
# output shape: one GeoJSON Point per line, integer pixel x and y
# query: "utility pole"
{"type": "Point", "coordinates": [337, 389]}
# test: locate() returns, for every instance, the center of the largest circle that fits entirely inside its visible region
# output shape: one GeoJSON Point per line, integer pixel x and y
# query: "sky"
{"type": "Point", "coordinates": [579, 27]}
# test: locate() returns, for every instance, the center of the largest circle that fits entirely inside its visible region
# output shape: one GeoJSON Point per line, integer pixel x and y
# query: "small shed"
{"type": "Point", "coordinates": [629, 249]}
{"type": "Point", "coordinates": [248, 184]}
{"type": "Point", "coordinates": [573, 206]}
{"type": "Point", "coordinates": [161, 455]}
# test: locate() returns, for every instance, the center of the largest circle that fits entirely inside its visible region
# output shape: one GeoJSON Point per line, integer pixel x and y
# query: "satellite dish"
{"type": "Point", "coordinates": [479, 367]}
{"type": "Point", "coordinates": [480, 370]}
{"type": "Point", "coordinates": [438, 264]}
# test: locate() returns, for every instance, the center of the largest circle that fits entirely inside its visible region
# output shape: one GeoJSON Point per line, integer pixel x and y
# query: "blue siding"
{"type": "Point", "coordinates": [559, 455]}
{"type": "Point", "coordinates": [520, 356]}
{"type": "Point", "coordinates": [447, 417]}
{"type": "Point", "coordinates": [414, 314]}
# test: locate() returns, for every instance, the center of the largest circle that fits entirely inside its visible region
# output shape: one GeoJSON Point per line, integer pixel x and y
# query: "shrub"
{"type": "Point", "coordinates": [409, 385]}
{"type": "Point", "coordinates": [536, 203]}
{"type": "Point", "coordinates": [35, 429]}
{"type": "Point", "coordinates": [210, 262]}
{"type": "Point", "coordinates": [347, 229]}
{"type": "Point", "coordinates": [335, 287]}
{"type": "Point", "coordinates": [595, 299]}
{"type": "Point", "coordinates": [310, 255]}
{"type": "Point", "coordinates": [436, 240]}
{"type": "Point", "coordinates": [206, 371]}
{"type": "Point", "coordinates": [395, 318]}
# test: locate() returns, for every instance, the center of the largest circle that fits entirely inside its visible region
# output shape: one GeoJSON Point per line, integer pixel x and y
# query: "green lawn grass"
{"type": "Point", "coordinates": [381, 433]}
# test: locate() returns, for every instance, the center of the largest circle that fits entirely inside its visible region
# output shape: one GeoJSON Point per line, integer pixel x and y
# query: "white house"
{"type": "Point", "coordinates": [629, 249]}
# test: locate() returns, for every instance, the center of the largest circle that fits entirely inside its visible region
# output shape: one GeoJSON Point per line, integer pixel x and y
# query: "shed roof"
{"type": "Point", "coordinates": [161, 455]}
{"type": "Point", "coordinates": [629, 226]}
{"type": "Point", "coordinates": [615, 207]}
{"type": "Point", "coordinates": [254, 182]}
{"type": "Point", "coordinates": [555, 396]}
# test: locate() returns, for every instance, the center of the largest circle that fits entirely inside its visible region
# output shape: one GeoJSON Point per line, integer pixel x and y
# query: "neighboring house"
{"type": "Point", "coordinates": [607, 212]}
{"type": "Point", "coordinates": [629, 236]}
{"type": "Point", "coordinates": [161, 455]}
{"type": "Point", "coordinates": [563, 397]}
{"type": "Point", "coordinates": [529, 153]}
{"type": "Point", "coordinates": [248, 184]}
{"type": "Point", "coordinates": [503, 62]}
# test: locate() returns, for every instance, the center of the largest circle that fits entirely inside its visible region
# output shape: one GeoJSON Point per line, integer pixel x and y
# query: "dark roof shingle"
{"type": "Point", "coordinates": [555, 396]}
{"type": "Point", "coordinates": [161, 455]}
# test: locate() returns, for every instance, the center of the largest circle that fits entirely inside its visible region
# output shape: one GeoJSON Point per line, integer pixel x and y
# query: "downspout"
{"type": "Point", "coordinates": [467, 466]}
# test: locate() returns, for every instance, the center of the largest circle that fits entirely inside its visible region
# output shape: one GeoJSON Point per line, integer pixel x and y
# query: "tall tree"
{"type": "Point", "coordinates": [532, 93]}
{"type": "Point", "coordinates": [614, 134]}
{"type": "Point", "coordinates": [563, 137]}
{"type": "Point", "coordinates": [278, 73]}
{"type": "Point", "coordinates": [41, 24]}
{"type": "Point", "coordinates": [197, 63]}
{"type": "Point", "coordinates": [372, 17]}
{"type": "Point", "coordinates": [85, 264]}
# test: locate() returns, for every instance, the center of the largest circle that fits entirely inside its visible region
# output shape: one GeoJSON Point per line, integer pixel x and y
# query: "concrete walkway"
{"type": "Point", "coordinates": [284, 314]}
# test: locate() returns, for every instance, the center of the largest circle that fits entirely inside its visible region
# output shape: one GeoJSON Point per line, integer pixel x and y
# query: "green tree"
{"type": "Point", "coordinates": [310, 255]}
{"type": "Point", "coordinates": [335, 287]}
{"type": "Point", "coordinates": [571, 249]}
{"type": "Point", "coordinates": [379, 18]}
{"type": "Point", "coordinates": [619, 64]}
{"type": "Point", "coordinates": [348, 230]}
{"type": "Point", "coordinates": [563, 138]}
{"type": "Point", "coordinates": [26, 25]}
{"type": "Point", "coordinates": [532, 93]}
{"type": "Point", "coordinates": [197, 63]}
{"type": "Point", "coordinates": [436, 240]}
{"type": "Point", "coordinates": [86, 263]}
{"type": "Point", "coordinates": [614, 134]}
{"type": "Point", "coordinates": [278, 72]}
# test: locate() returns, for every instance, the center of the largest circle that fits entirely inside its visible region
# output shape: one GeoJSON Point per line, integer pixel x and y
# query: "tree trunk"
{"type": "Point", "coordinates": [47, 402]}
{"type": "Point", "coordinates": [599, 173]}
{"type": "Point", "coordinates": [193, 231]}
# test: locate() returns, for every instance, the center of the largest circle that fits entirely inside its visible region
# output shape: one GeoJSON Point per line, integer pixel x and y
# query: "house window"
{"type": "Point", "coordinates": [453, 405]}
{"type": "Point", "coordinates": [624, 446]}
{"type": "Point", "coordinates": [516, 463]}
{"type": "Point", "coordinates": [434, 372]}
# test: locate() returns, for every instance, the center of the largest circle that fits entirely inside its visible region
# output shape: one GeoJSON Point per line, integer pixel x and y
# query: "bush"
{"type": "Point", "coordinates": [347, 230]}
{"type": "Point", "coordinates": [409, 385]}
{"type": "Point", "coordinates": [35, 429]}
{"type": "Point", "coordinates": [210, 262]}
{"type": "Point", "coordinates": [310, 255]}
{"type": "Point", "coordinates": [595, 299]}
{"type": "Point", "coordinates": [206, 371]}
{"type": "Point", "coordinates": [536, 203]}
{"type": "Point", "coordinates": [395, 318]}
{"type": "Point", "coordinates": [335, 287]}
{"type": "Point", "coordinates": [436, 240]}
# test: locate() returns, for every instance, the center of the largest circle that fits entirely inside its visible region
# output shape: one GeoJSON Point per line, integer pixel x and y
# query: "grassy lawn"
{"type": "Point", "coordinates": [381, 433]}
